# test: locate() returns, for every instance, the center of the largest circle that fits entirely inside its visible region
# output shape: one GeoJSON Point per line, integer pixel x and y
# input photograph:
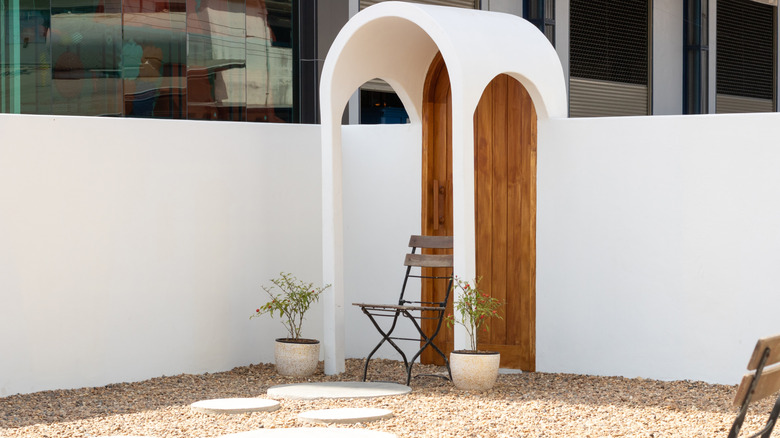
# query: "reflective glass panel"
{"type": "Point", "coordinates": [269, 61]}
{"type": "Point", "coordinates": [85, 55]}
{"type": "Point", "coordinates": [154, 58]}
{"type": "Point", "coordinates": [198, 59]}
{"type": "Point", "coordinates": [216, 60]}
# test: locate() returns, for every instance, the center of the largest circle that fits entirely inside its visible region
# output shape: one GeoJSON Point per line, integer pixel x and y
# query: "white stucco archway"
{"type": "Point", "coordinates": [397, 41]}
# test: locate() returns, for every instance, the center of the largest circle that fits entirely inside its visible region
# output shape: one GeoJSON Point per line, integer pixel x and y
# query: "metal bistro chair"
{"type": "Point", "coordinates": [415, 311]}
{"type": "Point", "coordinates": [761, 382]}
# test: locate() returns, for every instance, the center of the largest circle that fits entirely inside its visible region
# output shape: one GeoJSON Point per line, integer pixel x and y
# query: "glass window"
{"type": "Point", "coordinates": [216, 59]}
{"type": "Point", "coordinates": [609, 62]}
{"type": "Point", "coordinates": [197, 59]}
{"type": "Point", "coordinates": [696, 61]}
{"type": "Point", "coordinates": [745, 57]}
{"type": "Point", "coordinates": [85, 55]}
{"type": "Point", "coordinates": [269, 61]}
{"type": "Point", "coordinates": [154, 59]}
{"type": "Point", "coordinates": [542, 14]}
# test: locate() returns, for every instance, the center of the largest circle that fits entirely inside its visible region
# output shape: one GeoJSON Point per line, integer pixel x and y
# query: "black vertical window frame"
{"type": "Point", "coordinates": [541, 13]}
{"type": "Point", "coordinates": [695, 57]}
{"type": "Point", "coordinates": [305, 68]}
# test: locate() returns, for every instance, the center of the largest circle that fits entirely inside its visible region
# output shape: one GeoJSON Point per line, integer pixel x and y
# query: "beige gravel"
{"type": "Point", "coordinates": [520, 405]}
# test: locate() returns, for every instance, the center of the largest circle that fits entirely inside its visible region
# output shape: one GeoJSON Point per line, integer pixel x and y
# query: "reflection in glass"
{"type": "Point", "coordinates": [199, 59]}
{"type": "Point", "coordinates": [154, 59]}
{"type": "Point", "coordinates": [216, 60]}
{"type": "Point", "coordinates": [269, 62]}
{"type": "Point", "coordinates": [85, 38]}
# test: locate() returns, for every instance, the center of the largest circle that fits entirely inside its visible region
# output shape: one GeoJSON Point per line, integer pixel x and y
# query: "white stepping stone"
{"type": "Point", "coordinates": [311, 432]}
{"type": "Point", "coordinates": [345, 415]}
{"type": "Point", "coordinates": [309, 391]}
{"type": "Point", "coordinates": [234, 405]}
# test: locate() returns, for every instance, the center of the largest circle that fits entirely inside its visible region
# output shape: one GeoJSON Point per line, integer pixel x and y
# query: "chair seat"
{"type": "Point", "coordinates": [398, 307]}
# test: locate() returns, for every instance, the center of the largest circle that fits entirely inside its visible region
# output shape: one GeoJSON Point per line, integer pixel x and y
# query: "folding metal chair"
{"type": "Point", "coordinates": [415, 311]}
{"type": "Point", "coordinates": [758, 384]}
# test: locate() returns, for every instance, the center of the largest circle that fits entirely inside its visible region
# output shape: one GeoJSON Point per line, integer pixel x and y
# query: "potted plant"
{"type": "Point", "coordinates": [474, 369]}
{"type": "Point", "coordinates": [294, 356]}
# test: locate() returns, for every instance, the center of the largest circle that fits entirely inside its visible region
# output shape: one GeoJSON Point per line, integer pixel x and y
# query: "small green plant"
{"type": "Point", "coordinates": [475, 308]}
{"type": "Point", "coordinates": [291, 303]}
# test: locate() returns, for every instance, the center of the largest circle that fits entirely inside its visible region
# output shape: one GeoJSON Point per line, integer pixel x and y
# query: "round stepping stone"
{"type": "Point", "coordinates": [309, 391]}
{"type": "Point", "coordinates": [234, 405]}
{"type": "Point", "coordinates": [311, 432]}
{"type": "Point", "coordinates": [345, 415]}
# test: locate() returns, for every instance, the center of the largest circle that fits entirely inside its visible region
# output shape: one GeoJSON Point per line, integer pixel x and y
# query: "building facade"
{"type": "Point", "coordinates": [260, 60]}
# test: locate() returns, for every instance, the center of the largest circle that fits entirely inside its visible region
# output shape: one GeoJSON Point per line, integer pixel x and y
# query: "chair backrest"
{"type": "Point", "coordinates": [419, 260]}
{"type": "Point", "coordinates": [762, 381]}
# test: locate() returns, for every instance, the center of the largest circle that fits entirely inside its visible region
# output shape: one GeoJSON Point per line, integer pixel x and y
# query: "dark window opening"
{"type": "Point", "coordinates": [541, 13]}
{"type": "Point", "coordinates": [379, 107]}
{"type": "Point", "coordinates": [745, 56]}
{"type": "Point", "coordinates": [609, 62]}
{"type": "Point", "coordinates": [696, 56]}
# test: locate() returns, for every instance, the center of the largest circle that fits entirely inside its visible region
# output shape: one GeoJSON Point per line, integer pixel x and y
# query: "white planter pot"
{"type": "Point", "coordinates": [296, 358]}
{"type": "Point", "coordinates": [473, 371]}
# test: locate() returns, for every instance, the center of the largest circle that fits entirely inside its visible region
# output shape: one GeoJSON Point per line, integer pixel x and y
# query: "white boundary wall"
{"type": "Point", "coordinates": [658, 244]}
{"type": "Point", "coordinates": [131, 249]}
{"type": "Point", "coordinates": [124, 255]}
{"type": "Point", "coordinates": [382, 208]}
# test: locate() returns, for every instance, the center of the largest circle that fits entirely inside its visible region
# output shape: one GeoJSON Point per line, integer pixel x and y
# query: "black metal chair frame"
{"type": "Point", "coordinates": [755, 377]}
{"type": "Point", "coordinates": [415, 311]}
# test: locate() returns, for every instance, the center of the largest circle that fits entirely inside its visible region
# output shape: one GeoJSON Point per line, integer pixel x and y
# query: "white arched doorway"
{"type": "Point", "coordinates": [397, 42]}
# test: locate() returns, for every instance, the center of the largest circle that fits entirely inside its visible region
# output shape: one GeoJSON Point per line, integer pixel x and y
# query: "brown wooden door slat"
{"type": "Point", "coordinates": [516, 171]}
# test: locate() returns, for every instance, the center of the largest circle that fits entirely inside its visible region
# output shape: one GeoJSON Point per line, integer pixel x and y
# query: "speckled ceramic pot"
{"type": "Point", "coordinates": [474, 371]}
{"type": "Point", "coordinates": [296, 357]}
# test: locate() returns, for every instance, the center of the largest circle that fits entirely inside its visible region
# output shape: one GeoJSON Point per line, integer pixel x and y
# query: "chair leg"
{"type": "Point", "coordinates": [428, 342]}
{"type": "Point", "coordinates": [770, 424]}
{"type": "Point", "coordinates": [385, 337]}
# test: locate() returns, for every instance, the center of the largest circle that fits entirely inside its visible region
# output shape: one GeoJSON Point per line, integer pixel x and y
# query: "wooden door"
{"type": "Point", "coordinates": [505, 210]}
{"type": "Point", "coordinates": [437, 187]}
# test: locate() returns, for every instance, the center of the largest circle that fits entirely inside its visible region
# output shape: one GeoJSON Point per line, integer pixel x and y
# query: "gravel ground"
{"type": "Point", "coordinates": [520, 405]}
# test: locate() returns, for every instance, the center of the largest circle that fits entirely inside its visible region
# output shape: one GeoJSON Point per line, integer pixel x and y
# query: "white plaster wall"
{"type": "Point", "coordinates": [658, 244]}
{"type": "Point", "coordinates": [382, 208]}
{"type": "Point", "coordinates": [124, 256]}
{"type": "Point", "coordinates": [667, 55]}
{"type": "Point", "coordinates": [135, 248]}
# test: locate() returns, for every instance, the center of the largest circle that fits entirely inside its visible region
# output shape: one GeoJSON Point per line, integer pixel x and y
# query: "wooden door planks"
{"type": "Point", "coordinates": [505, 214]}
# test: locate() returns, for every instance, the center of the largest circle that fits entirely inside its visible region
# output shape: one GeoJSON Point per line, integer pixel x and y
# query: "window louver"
{"type": "Point", "coordinates": [609, 67]}
{"type": "Point", "coordinates": [745, 57]}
